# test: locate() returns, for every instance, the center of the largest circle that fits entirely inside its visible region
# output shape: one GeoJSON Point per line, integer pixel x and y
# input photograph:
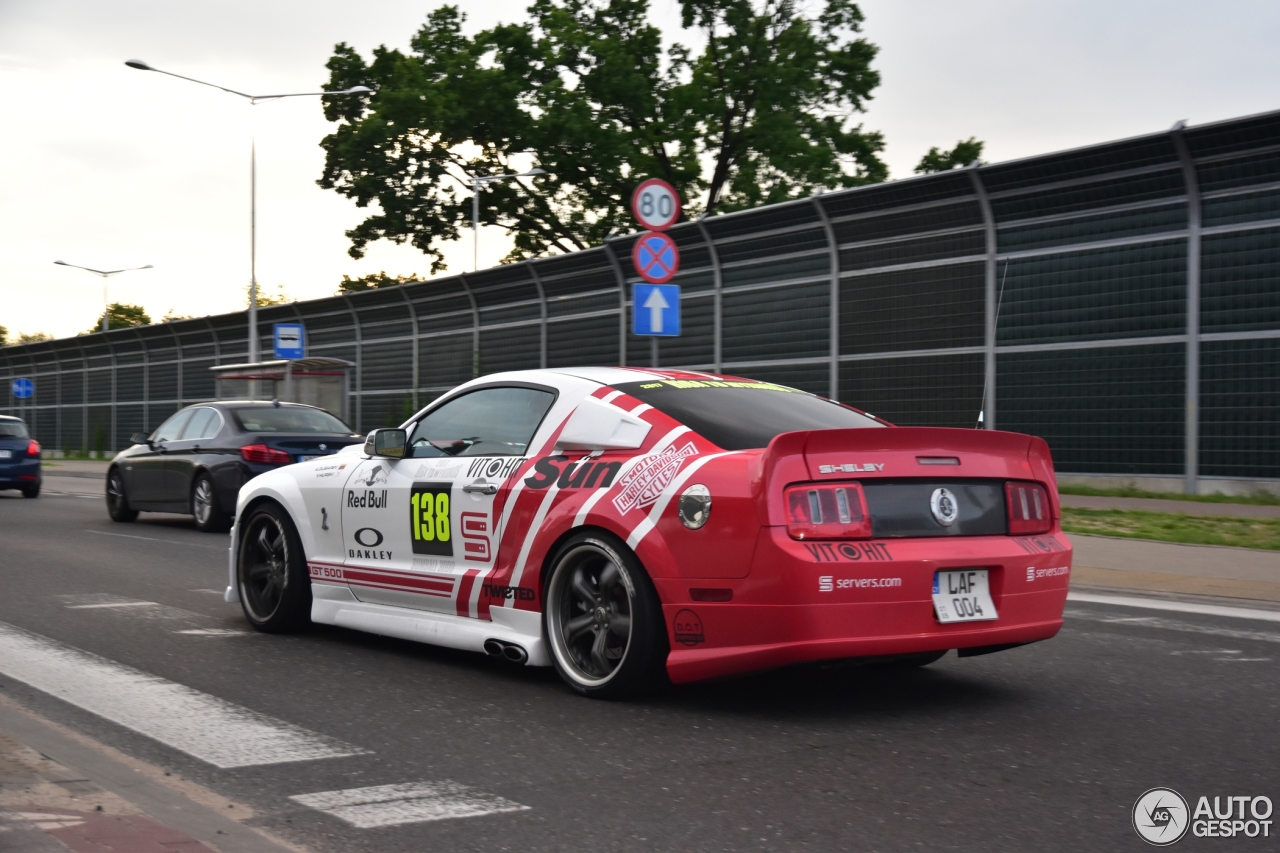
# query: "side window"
{"type": "Point", "coordinates": [204, 423]}
{"type": "Point", "coordinates": [172, 428]}
{"type": "Point", "coordinates": [488, 422]}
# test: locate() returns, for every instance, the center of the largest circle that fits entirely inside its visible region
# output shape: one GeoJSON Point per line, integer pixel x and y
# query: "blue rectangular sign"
{"type": "Point", "coordinates": [290, 340]}
{"type": "Point", "coordinates": [655, 310]}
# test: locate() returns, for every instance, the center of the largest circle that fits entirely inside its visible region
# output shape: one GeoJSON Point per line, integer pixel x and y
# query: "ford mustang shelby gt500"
{"type": "Point", "coordinates": [620, 524]}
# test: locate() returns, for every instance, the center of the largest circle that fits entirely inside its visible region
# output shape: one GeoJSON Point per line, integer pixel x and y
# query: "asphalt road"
{"type": "Point", "coordinates": [1045, 747]}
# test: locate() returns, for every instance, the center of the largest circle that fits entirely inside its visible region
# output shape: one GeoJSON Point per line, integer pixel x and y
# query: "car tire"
{"type": "Point", "coordinates": [31, 491]}
{"type": "Point", "coordinates": [117, 499]}
{"type": "Point", "coordinates": [205, 508]}
{"type": "Point", "coordinates": [271, 572]}
{"type": "Point", "coordinates": [602, 619]}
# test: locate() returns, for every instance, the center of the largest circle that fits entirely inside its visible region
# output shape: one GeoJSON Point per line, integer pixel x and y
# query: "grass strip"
{"type": "Point", "coordinates": [1262, 533]}
{"type": "Point", "coordinates": [1256, 499]}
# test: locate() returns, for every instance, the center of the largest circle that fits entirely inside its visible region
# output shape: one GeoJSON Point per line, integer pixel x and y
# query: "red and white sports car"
{"type": "Point", "coordinates": [622, 525]}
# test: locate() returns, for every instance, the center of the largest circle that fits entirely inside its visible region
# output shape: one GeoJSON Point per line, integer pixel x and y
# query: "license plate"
{"type": "Point", "coordinates": [5, 454]}
{"type": "Point", "coordinates": [963, 596]}
{"type": "Point", "coordinates": [307, 458]}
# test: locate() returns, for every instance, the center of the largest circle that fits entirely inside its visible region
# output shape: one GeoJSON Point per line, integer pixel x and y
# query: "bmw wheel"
{"type": "Point", "coordinates": [117, 500]}
{"type": "Point", "coordinates": [271, 572]}
{"type": "Point", "coordinates": [204, 506]}
{"type": "Point", "coordinates": [603, 619]}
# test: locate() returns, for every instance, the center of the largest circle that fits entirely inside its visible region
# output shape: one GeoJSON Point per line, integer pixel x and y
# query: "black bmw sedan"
{"type": "Point", "coordinates": [197, 460]}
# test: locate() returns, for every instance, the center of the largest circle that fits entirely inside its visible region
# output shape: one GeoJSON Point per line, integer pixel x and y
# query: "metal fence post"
{"type": "Point", "coordinates": [622, 302]}
{"type": "Point", "coordinates": [475, 326]}
{"type": "Point", "coordinates": [833, 305]}
{"type": "Point", "coordinates": [1191, 454]}
{"type": "Point", "coordinates": [413, 315]}
{"type": "Point", "coordinates": [989, 341]}
{"type": "Point", "coordinates": [542, 307]}
{"type": "Point", "coordinates": [355, 327]}
{"type": "Point", "coordinates": [717, 283]}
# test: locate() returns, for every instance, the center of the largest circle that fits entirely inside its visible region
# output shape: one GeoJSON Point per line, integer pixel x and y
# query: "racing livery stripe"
{"type": "Point", "coordinates": [464, 592]}
{"type": "Point", "coordinates": [649, 521]}
{"type": "Point", "coordinates": [658, 447]}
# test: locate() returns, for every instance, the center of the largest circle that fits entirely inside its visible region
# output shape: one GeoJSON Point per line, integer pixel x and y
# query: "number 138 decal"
{"type": "Point", "coordinates": [429, 519]}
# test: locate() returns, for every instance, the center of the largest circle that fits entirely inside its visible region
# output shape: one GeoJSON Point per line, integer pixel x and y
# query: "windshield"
{"type": "Point", "coordinates": [289, 419]}
{"type": "Point", "coordinates": [741, 414]}
{"type": "Point", "coordinates": [13, 429]}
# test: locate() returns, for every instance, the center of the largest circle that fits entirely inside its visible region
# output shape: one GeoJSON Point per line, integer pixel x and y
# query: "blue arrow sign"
{"type": "Point", "coordinates": [23, 388]}
{"type": "Point", "coordinates": [656, 310]}
{"type": "Point", "coordinates": [290, 340]}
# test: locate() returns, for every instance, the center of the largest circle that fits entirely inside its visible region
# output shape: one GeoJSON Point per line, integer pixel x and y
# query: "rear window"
{"type": "Point", "coordinates": [741, 414]}
{"type": "Point", "coordinates": [288, 419]}
{"type": "Point", "coordinates": [13, 429]}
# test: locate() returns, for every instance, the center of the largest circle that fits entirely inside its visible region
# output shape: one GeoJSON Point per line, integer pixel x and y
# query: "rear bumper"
{"type": "Point", "coordinates": [800, 605]}
{"type": "Point", "coordinates": [20, 475]}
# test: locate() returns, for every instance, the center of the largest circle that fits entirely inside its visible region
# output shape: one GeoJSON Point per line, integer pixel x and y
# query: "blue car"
{"type": "Point", "coordinates": [19, 458]}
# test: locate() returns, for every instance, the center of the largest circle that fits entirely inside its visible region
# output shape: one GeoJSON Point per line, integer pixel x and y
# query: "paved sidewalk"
{"type": "Point", "coordinates": [1183, 507]}
{"type": "Point", "coordinates": [89, 468]}
{"type": "Point", "coordinates": [1168, 567]}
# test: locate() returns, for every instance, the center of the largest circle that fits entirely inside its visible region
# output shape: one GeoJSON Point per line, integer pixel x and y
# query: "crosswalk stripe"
{"type": "Point", "coordinates": [412, 802]}
{"type": "Point", "coordinates": [203, 726]}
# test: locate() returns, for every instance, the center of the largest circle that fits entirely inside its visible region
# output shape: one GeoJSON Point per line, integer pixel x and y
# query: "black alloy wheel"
{"type": "Point", "coordinates": [204, 506]}
{"type": "Point", "coordinates": [603, 619]}
{"type": "Point", "coordinates": [271, 572]}
{"type": "Point", "coordinates": [117, 500]}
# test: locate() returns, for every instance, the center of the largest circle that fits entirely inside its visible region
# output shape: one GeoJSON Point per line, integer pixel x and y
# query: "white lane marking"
{"type": "Point", "coordinates": [658, 447]}
{"type": "Point", "coordinates": [1176, 606]}
{"type": "Point", "coordinates": [651, 520]}
{"type": "Point", "coordinates": [1170, 625]}
{"type": "Point", "coordinates": [202, 726]}
{"type": "Point", "coordinates": [212, 591]}
{"type": "Point", "coordinates": [413, 802]}
{"type": "Point", "coordinates": [154, 539]}
{"type": "Point", "coordinates": [112, 604]}
{"type": "Point", "coordinates": [213, 632]}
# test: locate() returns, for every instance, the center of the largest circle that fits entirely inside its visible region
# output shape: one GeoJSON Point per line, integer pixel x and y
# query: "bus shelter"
{"type": "Point", "coordinates": [322, 382]}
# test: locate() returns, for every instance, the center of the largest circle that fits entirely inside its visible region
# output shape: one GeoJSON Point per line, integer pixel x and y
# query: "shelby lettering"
{"type": "Point", "coordinates": [574, 475]}
{"type": "Point", "coordinates": [825, 552]}
{"type": "Point", "coordinates": [370, 499]}
{"type": "Point", "coordinates": [519, 593]}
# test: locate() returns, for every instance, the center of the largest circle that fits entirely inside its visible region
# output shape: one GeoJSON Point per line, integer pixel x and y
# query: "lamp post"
{"type": "Point", "coordinates": [253, 182]}
{"type": "Point", "coordinates": [479, 182]}
{"type": "Point", "coordinates": [106, 274]}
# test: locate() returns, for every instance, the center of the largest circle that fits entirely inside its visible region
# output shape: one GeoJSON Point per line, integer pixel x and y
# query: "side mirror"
{"type": "Point", "coordinates": [140, 438]}
{"type": "Point", "coordinates": [386, 442]}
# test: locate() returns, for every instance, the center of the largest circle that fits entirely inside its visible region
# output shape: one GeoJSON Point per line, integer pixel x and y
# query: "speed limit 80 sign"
{"type": "Point", "coordinates": [655, 205]}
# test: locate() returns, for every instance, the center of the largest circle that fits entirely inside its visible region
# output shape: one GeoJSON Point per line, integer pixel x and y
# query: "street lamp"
{"type": "Point", "coordinates": [106, 274]}
{"type": "Point", "coordinates": [479, 182]}
{"type": "Point", "coordinates": [253, 182]}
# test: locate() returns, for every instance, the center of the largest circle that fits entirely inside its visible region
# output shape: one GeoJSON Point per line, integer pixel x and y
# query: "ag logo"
{"type": "Point", "coordinates": [368, 537]}
{"type": "Point", "coordinates": [944, 507]}
{"type": "Point", "coordinates": [1161, 817]}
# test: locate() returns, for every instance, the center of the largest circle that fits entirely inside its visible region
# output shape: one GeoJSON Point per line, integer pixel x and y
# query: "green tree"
{"type": "Point", "coordinates": [121, 316]}
{"type": "Point", "coordinates": [937, 160]}
{"type": "Point", "coordinates": [33, 337]}
{"type": "Point", "coordinates": [266, 298]}
{"type": "Point", "coordinates": [584, 91]}
{"type": "Point", "coordinates": [4, 337]}
{"type": "Point", "coordinates": [373, 281]}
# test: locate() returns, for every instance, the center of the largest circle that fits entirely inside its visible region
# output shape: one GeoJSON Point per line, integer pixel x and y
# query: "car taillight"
{"type": "Point", "coordinates": [827, 511]}
{"type": "Point", "coordinates": [264, 455]}
{"type": "Point", "coordinates": [1028, 506]}
{"type": "Point", "coordinates": [33, 448]}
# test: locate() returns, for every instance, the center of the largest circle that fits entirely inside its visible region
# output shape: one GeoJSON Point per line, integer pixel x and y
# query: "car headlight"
{"type": "Point", "coordinates": [695, 506]}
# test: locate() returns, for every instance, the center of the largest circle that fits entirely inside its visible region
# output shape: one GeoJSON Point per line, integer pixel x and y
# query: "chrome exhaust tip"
{"type": "Point", "coordinates": [493, 648]}
{"type": "Point", "coordinates": [515, 654]}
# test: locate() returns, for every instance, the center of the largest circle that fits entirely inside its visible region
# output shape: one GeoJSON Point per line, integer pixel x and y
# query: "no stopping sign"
{"type": "Point", "coordinates": [655, 205]}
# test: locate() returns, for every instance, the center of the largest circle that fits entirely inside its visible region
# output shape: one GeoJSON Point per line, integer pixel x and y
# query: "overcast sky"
{"type": "Point", "coordinates": [106, 166]}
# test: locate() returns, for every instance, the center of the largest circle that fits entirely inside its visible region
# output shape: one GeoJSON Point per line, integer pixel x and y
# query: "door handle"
{"type": "Point", "coordinates": [481, 488]}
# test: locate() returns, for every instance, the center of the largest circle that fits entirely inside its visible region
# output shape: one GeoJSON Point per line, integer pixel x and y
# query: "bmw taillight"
{"type": "Point", "coordinates": [1028, 506]}
{"type": "Point", "coordinates": [827, 511]}
{"type": "Point", "coordinates": [33, 448]}
{"type": "Point", "coordinates": [264, 455]}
